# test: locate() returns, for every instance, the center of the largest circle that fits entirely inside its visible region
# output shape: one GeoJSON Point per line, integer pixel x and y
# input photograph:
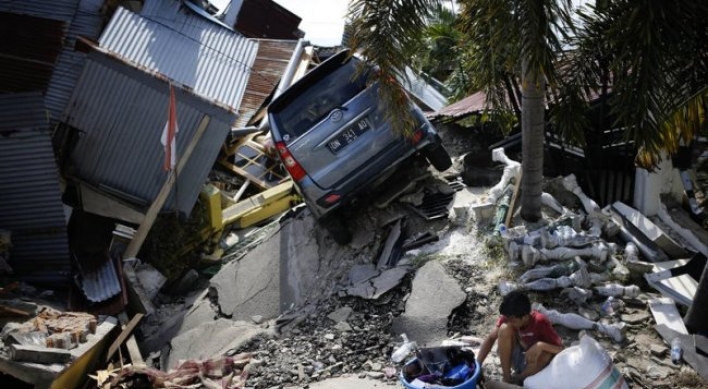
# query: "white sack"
{"type": "Point", "coordinates": [586, 366]}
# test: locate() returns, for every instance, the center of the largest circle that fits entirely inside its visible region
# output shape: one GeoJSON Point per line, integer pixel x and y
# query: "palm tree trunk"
{"type": "Point", "coordinates": [532, 128]}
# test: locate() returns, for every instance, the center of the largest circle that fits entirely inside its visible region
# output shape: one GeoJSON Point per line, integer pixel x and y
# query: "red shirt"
{"type": "Point", "coordinates": [538, 329]}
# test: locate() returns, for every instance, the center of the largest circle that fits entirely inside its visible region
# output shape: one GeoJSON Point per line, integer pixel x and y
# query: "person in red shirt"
{"type": "Point", "coordinates": [526, 340]}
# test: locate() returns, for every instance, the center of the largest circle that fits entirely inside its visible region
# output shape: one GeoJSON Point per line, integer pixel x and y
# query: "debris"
{"type": "Point", "coordinates": [615, 289]}
{"type": "Point", "coordinates": [650, 230]}
{"type": "Point", "coordinates": [512, 171]}
{"type": "Point", "coordinates": [665, 313]}
{"type": "Point", "coordinates": [369, 283]}
{"type": "Point", "coordinates": [697, 361]}
{"type": "Point", "coordinates": [531, 255]}
{"type": "Point", "coordinates": [419, 240]}
{"type": "Point", "coordinates": [580, 278]}
{"type": "Point", "coordinates": [36, 354]}
{"type": "Point", "coordinates": [341, 314]}
{"type": "Point", "coordinates": [252, 162]}
{"type": "Point", "coordinates": [616, 331]}
{"type": "Point", "coordinates": [65, 374]}
{"type": "Point", "coordinates": [123, 337]}
{"type": "Point", "coordinates": [260, 207]}
{"type": "Point", "coordinates": [17, 308]}
{"type": "Point", "coordinates": [433, 296]}
{"type": "Point", "coordinates": [391, 251]}
{"type": "Point", "coordinates": [224, 372]}
{"type": "Point", "coordinates": [677, 219]}
{"type": "Point", "coordinates": [681, 287]}
{"type": "Point", "coordinates": [435, 205]}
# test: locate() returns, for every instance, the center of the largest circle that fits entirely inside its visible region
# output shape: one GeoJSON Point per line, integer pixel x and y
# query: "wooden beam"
{"type": "Point", "coordinates": [127, 337]}
{"type": "Point", "coordinates": [156, 206]}
{"type": "Point", "coordinates": [255, 180]}
{"type": "Point", "coordinates": [96, 202]}
{"type": "Point", "coordinates": [512, 204]}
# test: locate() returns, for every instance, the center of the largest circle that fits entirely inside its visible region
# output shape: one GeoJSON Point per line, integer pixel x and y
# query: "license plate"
{"type": "Point", "coordinates": [350, 135]}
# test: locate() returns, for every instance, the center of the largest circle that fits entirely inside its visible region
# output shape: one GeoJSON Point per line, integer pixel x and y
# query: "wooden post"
{"type": "Point", "coordinates": [156, 206]}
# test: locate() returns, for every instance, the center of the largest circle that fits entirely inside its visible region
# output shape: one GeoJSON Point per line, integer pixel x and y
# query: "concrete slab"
{"type": "Point", "coordinates": [433, 296]}
{"type": "Point", "coordinates": [374, 285]}
{"type": "Point", "coordinates": [299, 259]}
{"type": "Point", "coordinates": [251, 285]}
{"type": "Point", "coordinates": [212, 339]}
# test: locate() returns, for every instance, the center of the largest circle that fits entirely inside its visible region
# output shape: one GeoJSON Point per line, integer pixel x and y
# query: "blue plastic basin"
{"type": "Point", "coordinates": [470, 383]}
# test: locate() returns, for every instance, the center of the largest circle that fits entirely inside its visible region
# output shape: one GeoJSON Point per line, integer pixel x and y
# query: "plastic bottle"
{"type": "Point", "coordinates": [503, 232]}
{"type": "Point", "coordinates": [401, 352]}
{"type": "Point", "coordinates": [608, 307]}
{"type": "Point", "coordinates": [676, 351]}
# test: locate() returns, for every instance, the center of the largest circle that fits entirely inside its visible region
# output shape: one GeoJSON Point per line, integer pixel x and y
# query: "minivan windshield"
{"type": "Point", "coordinates": [310, 105]}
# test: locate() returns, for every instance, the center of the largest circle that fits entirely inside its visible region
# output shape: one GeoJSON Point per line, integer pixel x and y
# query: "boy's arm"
{"type": "Point", "coordinates": [486, 346]}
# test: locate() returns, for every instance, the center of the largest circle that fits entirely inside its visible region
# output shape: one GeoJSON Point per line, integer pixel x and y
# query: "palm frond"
{"type": "Point", "coordinates": [385, 32]}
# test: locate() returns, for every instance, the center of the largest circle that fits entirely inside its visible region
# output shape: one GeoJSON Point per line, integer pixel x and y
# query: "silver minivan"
{"type": "Point", "coordinates": [335, 142]}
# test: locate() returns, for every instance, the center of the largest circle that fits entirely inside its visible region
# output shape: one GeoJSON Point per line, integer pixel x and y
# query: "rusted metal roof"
{"type": "Point", "coordinates": [271, 60]}
{"type": "Point", "coordinates": [472, 104]}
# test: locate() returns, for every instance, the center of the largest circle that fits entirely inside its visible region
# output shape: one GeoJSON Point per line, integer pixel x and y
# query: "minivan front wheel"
{"type": "Point", "coordinates": [334, 224]}
{"type": "Point", "coordinates": [437, 156]}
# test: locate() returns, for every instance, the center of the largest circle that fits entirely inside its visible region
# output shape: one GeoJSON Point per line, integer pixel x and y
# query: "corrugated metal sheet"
{"type": "Point", "coordinates": [30, 204]}
{"type": "Point", "coordinates": [121, 112]}
{"type": "Point", "coordinates": [56, 75]}
{"type": "Point", "coordinates": [419, 88]}
{"type": "Point", "coordinates": [271, 60]}
{"type": "Point", "coordinates": [214, 62]}
{"type": "Point", "coordinates": [87, 23]}
{"type": "Point", "coordinates": [469, 105]}
{"type": "Point", "coordinates": [63, 10]}
{"type": "Point", "coordinates": [101, 284]}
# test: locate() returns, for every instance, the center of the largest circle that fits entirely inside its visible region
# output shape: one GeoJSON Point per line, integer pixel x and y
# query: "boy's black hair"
{"type": "Point", "coordinates": [515, 304]}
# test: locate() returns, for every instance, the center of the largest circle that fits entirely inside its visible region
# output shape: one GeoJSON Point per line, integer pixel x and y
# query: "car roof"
{"type": "Point", "coordinates": [309, 79]}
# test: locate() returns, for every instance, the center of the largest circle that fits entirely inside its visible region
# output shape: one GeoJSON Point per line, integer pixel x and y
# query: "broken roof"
{"type": "Point", "coordinates": [212, 61]}
{"type": "Point", "coordinates": [471, 104]}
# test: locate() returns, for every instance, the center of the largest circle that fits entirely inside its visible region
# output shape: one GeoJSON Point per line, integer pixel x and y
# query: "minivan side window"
{"type": "Point", "coordinates": [315, 102]}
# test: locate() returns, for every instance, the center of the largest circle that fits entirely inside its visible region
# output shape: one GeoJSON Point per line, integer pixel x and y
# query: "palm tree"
{"type": "Point", "coordinates": [437, 53]}
{"type": "Point", "coordinates": [651, 58]}
{"type": "Point", "coordinates": [386, 30]}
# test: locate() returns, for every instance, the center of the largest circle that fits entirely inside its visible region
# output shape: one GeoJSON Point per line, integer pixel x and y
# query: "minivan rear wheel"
{"type": "Point", "coordinates": [437, 156]}
{"type": "Point", "coordinates": [334, 224]}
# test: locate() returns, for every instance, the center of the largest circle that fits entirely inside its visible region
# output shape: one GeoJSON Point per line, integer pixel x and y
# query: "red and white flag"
{"type": "Point", "coordinates": [169, 134]}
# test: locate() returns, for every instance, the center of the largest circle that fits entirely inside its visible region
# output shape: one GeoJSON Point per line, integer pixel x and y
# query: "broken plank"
{"type": "Point", "coordinates": [238, 210]}
{"type": "Point", "coordinates": [512, 202]}
{"type": "Point", "coordinates": [266, 211]}
{"type": "Point", "coordinates": [665, 312]}
{"type": "Point", "coordinates": [651, 231]}
{"type": "Point", "coordinates": [260, 184]}
{"type": "Point", "coordinates": [681, 288]}
{"type": "Point", "coordinates": [125, 337]}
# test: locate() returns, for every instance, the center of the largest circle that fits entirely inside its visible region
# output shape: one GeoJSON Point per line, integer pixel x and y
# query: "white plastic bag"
{"type": "Point", "coordinates": [586, 366]}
